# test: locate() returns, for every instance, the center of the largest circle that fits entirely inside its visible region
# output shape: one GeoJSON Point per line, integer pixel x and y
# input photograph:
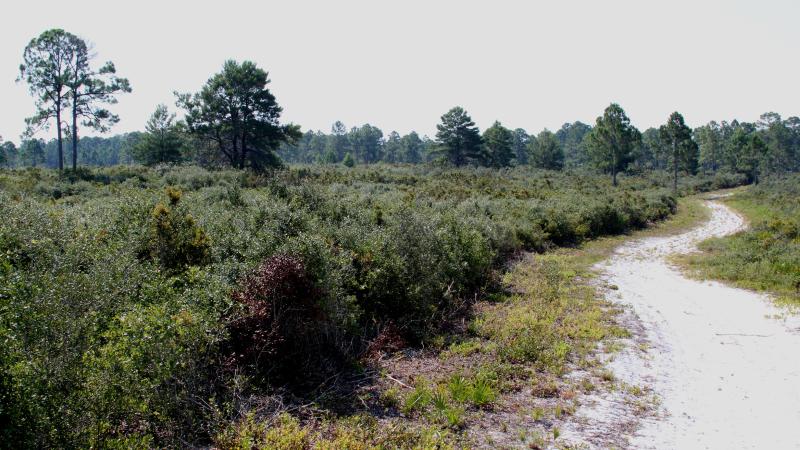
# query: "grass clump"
{"type": "Point", "coordinates": [448, 401]}
{"type": "Point", "coordinates": [419, 398]}
{"type": "Point", "coordinates": [479, 390]}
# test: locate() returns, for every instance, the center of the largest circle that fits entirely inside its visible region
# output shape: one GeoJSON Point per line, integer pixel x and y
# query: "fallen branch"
{"type": "Point", "coordinates": [398, 381]}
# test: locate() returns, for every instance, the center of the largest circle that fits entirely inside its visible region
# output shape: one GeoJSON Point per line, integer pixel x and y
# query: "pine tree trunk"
{"type": "Point", "coordinates": [244, 153]}
{"type": "Point", "coordinates": [675, 166]}
{"type": "Point", "coordinates": [60, 139]}
{"type": "Point", "coordinates": [235, 151]}
{"type": "Point", "coordinates": [74, 139]}
{"type": "Point", "coordinates": [614, 169]}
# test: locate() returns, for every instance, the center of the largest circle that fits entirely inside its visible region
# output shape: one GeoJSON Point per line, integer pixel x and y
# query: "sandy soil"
{"type": "Point", "coordinates": [723, 363]}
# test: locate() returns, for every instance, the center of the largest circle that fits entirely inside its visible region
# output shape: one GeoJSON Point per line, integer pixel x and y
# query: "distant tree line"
{"type": "Point", "coordinates": [612, 145]}
{"type": "Point", "coordinates": [363, 145]}
{"type": "Point", "coordinates": [94, 151]}
{"type": "Point", "coordinates": [234, 120]}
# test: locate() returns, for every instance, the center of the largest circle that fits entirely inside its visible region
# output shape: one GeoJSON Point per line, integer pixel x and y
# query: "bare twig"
{"type": "Point", "coordinates": [397, 381]}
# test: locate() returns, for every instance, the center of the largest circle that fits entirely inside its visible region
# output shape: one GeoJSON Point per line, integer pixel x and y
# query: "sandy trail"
{"type": "Point", "coordinates": [725, 366]}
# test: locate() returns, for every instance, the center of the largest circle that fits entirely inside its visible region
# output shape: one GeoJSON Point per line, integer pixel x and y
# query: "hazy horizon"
{"type": "Point", "coordinates": [400, 66]}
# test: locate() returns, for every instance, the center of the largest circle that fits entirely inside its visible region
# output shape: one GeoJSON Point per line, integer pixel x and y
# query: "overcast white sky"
{"type": "Point", "coordinates": [401, 64]}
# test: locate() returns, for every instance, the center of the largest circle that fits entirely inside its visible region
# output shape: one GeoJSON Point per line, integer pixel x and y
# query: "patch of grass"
{"type": "Point", "coordinates": [454, 416]}
{"type": "Point", "coordinates": [537, 413]}
{"type": "Point", "coordinates": [419, 398]}
{"type": "Point", "coordinates": [448, 397]}
{"type": "Point", "coordinates": [390, 398]}
{"type": "Point", "coordinates": [463, 348]}
{"type": "Point", "coordinates": [459, 388]}
{"type": "Point", "coordinates": [586, 385]}
{"type": "Point", "coordinates": [482, 393]}
{"type": "Point", "coordinates": [614, 347]}
{"type": "Point", "coordinates": [284, 432]}
{"type": "Point", "coordinates": [439, 399]}
{"type": "Point", "coordinates": [553, 319]}
{"type": "Point", "coordinates": [354, 433]}
{"type": "Point", "coordinates": [450, 402]}
{"type": "Point", "coordinates": [559, 411]}
{"type": "Point", "coordinates": [635, 390]}
{"type": "Point", "coordinates": [545, 388]}
{"type": "Point", "coordinates": [607, 375]}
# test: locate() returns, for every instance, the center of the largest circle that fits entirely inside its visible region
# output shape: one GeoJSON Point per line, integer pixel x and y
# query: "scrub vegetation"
{"type": "Point", "coordinates": [228, 280]}
{"type": "Point", "coordinates": [155, 306]}
{"type": "Point", "coordinates": [766, 256]}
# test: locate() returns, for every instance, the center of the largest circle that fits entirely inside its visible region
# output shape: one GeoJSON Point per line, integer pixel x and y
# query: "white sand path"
{"type": "Point", "coordinates": [725, 366]}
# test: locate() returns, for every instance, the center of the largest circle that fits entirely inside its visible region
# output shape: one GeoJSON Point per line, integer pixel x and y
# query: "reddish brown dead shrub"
{"type": "Point", "coordinates": [279, 322]}
{"type": "Point", "coordinates": [389, 340]}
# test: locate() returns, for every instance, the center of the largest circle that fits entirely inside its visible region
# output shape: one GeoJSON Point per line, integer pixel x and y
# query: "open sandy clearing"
{"type": "Point", "coordinates": [723, 361]}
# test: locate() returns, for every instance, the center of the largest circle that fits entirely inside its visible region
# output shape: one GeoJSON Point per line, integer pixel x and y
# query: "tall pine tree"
{"type": "Point", "coordinates": [238, 114]}
{"type": "Point", "coordinates": [612, 140]}
{"type": "Point", "coordinates": [683, 149]}
{"type": "Point", "coordinates": [546, 152]}
{"type": "Point", "coordinates": [498, 141]}
{"type": "Point", "coordinates": [46, 64]}
{"type": "Point", "coordinates": [458, 139]}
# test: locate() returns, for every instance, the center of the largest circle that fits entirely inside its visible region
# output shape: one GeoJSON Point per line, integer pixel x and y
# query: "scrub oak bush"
{"type": "Point", "coordinates": [175, 239]}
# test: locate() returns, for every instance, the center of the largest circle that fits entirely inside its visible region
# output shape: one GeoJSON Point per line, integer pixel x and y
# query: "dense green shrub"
{"type": "Point", "coordinates": [142, 378]}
